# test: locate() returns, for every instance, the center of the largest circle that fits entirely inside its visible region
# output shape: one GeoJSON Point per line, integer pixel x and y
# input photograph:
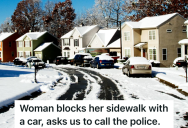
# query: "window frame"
{"type": "Point", "coordinates": [66, 43]}
{"type": "Point", "coordinates": [153, 37]}
{"type": "Point", "coordinates": [20, 43]}
{"type": "Point", "coordinates": [27, 43]}
{"type": "Point", "coordinates": [76, 42]}
{"type": "Point", "coordinates": [127, 55]}
{"type": "Point", "coordinates": [127, 37]}
{"type": "Point", "coordinates": [178, 53]}
{"type": "Point", "coordinates": [164, 54]}
{"type": "Point", "coordinates": [22, 53]}
{"type": "Point", "coordinates": [27, 55]}
{"type": "Point", "coordinates": [153, 53]}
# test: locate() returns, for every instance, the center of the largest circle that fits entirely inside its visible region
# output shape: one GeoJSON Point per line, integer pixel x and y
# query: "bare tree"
{"type": "Point", "coordinates": [27, 16]}
{"type": "Point", "coordinates": [6, 26]}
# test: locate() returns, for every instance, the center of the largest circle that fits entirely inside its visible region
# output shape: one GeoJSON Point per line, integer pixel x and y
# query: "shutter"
{"type": "Point", "coordinates": [24, 54]}
{"type": "Point", "coordinates": [30, 43]}
{"type": "Point", "coordinates": [30, 53]}
{"type": "Point", "coordinates": [78, 42]}
{"type": "Point", "coordinates": [63, 42]}
{"type": "Point", "coordinates": [17, 44]}
{"type": "Point", "coordinates": [69, 42]}
{"type": "Point", "coordinates": [18, 54]}
{"type": "Point", "coordinates": [24, 44]}
{"type": "Point", "coordinates": [74, 42]}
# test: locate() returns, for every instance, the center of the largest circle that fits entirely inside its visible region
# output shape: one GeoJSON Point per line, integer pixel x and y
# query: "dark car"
{"type": "Point", "coordinates": [61, 60]}
{"type": "Point", "coordinates": [102, 61]}
{"type": "Point", "coordinates": [35, 61]}
{"type": "Point", "coordinates": [179, 62]}
{"type": "Point", "coordinates": [82, 59]}
{"type": "Point", "coordinates": [19, 61]}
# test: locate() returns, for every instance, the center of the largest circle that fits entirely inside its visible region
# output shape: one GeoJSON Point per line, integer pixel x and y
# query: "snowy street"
{"type": "Point", "coordinates": [66, 82]}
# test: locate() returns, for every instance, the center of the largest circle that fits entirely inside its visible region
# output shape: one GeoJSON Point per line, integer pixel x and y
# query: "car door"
{"type": "Point", "coordinates": [96, 61]}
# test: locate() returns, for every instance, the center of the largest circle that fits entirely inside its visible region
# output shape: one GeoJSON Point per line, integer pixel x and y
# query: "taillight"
{"type": "Point", "coordinates": [57, 60]}
{"type": "Point", "coordinates": [100, 61]}
{"type": "Point", "coordinates": [149, 67]}
{"type": "Point", "coordinates": [178, 63]}
{"type": "Point", "coordinates": [132, 66]}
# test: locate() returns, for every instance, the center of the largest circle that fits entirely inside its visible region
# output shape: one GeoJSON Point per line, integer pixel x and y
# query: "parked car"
{"type": "Point", "coordinates": [137, 65]}
{"type": "Point", "coordinates": [33, 61]}
{"type": "Point", "coordinates": [82, 59]}
{"type": "Point", "coordinates": [31, 57]}
{"type": "Point", "coordinates": [179, 61]}
{"type": "Point", "coordinates": [102, 61]}
{"type": "Point", "coordinates": [61, 60]}
{"type": "Point", "coordinates": [19, 61]}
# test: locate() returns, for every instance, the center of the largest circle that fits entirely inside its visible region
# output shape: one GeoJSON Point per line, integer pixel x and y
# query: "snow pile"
{"type": "Point", "coordinates": [104, 57]}
{"type": "Point", "coordinates": [138, 60]}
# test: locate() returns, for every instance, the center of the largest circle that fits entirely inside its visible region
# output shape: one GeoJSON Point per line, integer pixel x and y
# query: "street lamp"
{"type": "Point", "coordinates": [119, 22]}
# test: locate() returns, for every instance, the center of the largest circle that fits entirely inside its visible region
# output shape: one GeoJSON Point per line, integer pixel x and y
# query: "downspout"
{"type": "Point", "coordinates": [158, 55]}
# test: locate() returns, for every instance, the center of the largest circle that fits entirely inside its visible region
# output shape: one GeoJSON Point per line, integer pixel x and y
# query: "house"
{"type": "Point", "coordinates": [184, 43]}
{"type": "Point", "coordinates": [8, 46]}
{"type": "Point", "coordinates": [105, 41]}
{"type": "Point", "coordinates": [155, 38]}
{"type": "Point", "coordinates": [77, 39]}
{"type": "Point", "coordinates": [27, 43]}
{"type": "Point", "coordinates": [44, 51]}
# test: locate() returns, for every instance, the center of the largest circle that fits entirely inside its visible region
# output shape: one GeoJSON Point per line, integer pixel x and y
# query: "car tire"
{"type": "Point", "coordinates": [98, 66]}
{"type": "Point", "coordinates": [128, 74]}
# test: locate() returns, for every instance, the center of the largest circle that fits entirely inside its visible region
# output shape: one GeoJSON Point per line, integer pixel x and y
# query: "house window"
{"type": "Point", "coordinates": [127, 52]}
{"type": "Point", "coordinates": [152, 54]}
{"type": "Point", "coordinates": [12, 53]}
{"type": "Point", "coordinates": [164, 53]}
{"type": "Point", "coordinates": [27, 54]}
{"type": "Point", "coordinates": [76, 42]}
{"type": "Point", "coordinates": [64, 54]}
{"type": "Point", "coordinates": [20, 44]}
{"type": "Point", "coordinates": [152, 35]}
{"type": "Point", "coordinates": [66, 42]}
{"type": "Point", "coordinates": [9, 44]}
{"type": "Point", "coordinates": [27, 44]}
{"type": "Point", "coordinates": [179, 52]}
{"type": "Point", "coordinates": [127, 36]}
{"type": "Point", "coordinates": [68, 54]}
{"type": "Point", "coordinates": [20, 54]}
{"type": "Point", "coordinates": [168, 30]}
{"type": "Point", "coordinates": [184, 30]}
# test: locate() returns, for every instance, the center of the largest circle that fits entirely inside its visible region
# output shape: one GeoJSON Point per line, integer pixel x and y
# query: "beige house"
{"type": "Point", "coordinates": [155, 38]}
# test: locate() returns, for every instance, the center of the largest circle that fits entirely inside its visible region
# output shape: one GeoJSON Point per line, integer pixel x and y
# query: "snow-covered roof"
{"type": "Point", "coordinates": [186, 22]}
{"type": "Point", "coordinates": [81, 30]}
{"type": "Point", "coordinates": [150, 22]}
{"type": "Point", "coordinates": [68, 35]}
{"type": "Point", "coordinates": [139, 45]}
{"type": "Point", "coordinates": [115, 44]}
{"type": "Point", "coordinates": [184, 41]}
{"type": "Point", "coordinates": [44, 45]}
{"type": "Point", "coordinates": [5, 35]}
{"type": "Point", "coordinates": [31, 35]}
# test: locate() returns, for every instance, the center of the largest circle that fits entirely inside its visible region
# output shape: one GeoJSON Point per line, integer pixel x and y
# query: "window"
{"type": "Point", "coordinates": [20, 54]}
{"type": "Point", "coordinates": [12, 54]}
{"type": "Point", "coordinates": [27, 54]}
{"type": "Point", "coordinates": [64, 54]}
{"type": "Point", "coordinates": [164, 53]}
{"type": "Point", "coordinates": [152, 35]}
{"type": "Point", "coordinates": [66, 42]}
{"type": "Point", "coordinates": [27, 43]}
{"type": "Point", "coordinates": [9, 44]}
{"type": "Point", "coordinates": [169, 30]}
{"type": "Point", "coordinates": [68, 54]}
{"type": "Point", "coordinates": [127, 52]}
{"type": "Point", "coordinates": [179, 52]}
{"type": "Point", "coordinates": [76, 42]}
{"type": "Point", "coordinates": [20, 44]}
{"type": "Point", "coordinates": [127, 36]}
{"type": "Point", "coordinates": [184, 30]}
{"type": "Point", "coordinates": [152, 54]}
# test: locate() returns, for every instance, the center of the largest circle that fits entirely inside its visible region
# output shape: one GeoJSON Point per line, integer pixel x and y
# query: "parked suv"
{"type": "Point", "coordinates": [82, 59]}
{"type": "Point", "coordinates": [61, 60]}
{"type": "Point", "coordinates": [19, 61]}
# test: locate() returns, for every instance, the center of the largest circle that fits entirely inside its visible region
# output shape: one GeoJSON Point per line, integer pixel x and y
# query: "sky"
{"type": "Point", "coordinates": [8, 7]}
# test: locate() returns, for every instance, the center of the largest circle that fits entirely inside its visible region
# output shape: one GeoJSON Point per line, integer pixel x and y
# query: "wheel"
{"type": "Point", "coordinates": [98, 66]}
{"type": "Point", "coordinates": [128, 74]}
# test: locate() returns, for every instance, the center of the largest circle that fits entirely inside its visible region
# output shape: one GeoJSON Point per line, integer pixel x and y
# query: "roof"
{"type": "Point", "coordinates": [115, 44]}
{"type": "Point", "coordinates": [4, 36]}
{"type": "Point", "coordinates": [81, 30]}
{"type": "Point", "coordinates": [186, 22]}
{"type": "Point", "coordinates": [32, 35]}
{"type": "Point", "coordinates": [151, 22]}
{"type": "Point", "coordinates": [184, 41]}
{"type": "Point", "coordinates": [44, 45]}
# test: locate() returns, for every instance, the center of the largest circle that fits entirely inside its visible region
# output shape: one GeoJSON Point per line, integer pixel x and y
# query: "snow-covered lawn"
{"type": "Point", "coordinates": [19, 81]}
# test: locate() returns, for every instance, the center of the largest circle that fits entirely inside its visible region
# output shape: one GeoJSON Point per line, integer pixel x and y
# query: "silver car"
{"type": "Point", "coordinates": [137, 65]}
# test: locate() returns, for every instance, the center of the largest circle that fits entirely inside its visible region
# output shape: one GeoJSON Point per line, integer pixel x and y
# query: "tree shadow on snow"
{"type": "Point", "coordinates": [154, 73]}
{"type": "Point", "coordinates": [12, 73]}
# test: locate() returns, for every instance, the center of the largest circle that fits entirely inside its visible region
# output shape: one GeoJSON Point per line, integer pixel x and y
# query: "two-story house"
{"type": "Point", "coordinates": [155, 38]}
{"type": "Point", "coordinates": [77, 39]}
{"type": "Point", "coordinates": [8, 46]}
{"type": "Point", "coordinates": [27, 43]}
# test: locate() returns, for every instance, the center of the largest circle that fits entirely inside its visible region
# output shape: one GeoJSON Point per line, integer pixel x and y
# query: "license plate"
{"type": "Point", "coordinates": [107, 64]}
{"type": "Point", "coordinates": [141, 67]}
